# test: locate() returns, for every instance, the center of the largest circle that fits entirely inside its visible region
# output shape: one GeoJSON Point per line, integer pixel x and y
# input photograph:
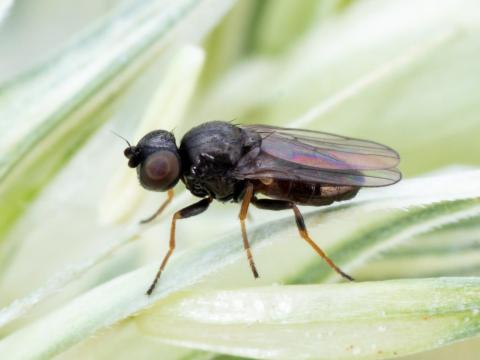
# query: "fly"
{"type": "Point", "coordinates": [235, 163]}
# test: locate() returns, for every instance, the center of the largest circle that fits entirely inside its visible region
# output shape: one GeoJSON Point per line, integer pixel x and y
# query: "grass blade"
{"type": "Point", "coordinates": [370, 320]}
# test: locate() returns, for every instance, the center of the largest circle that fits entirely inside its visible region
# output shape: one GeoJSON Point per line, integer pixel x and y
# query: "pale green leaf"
{"type": "Point", "coordinates": [453, 249]}
{"type": "Point", "coordinates": [371, 320]}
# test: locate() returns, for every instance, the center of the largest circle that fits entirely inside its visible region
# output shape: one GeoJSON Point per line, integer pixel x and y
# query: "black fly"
{"type": "Point", "coordinates": [221, 161]}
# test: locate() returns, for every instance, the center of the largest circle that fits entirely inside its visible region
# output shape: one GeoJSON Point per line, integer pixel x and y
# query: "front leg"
{"type": "Point", "coordinates": [160, 209]}
{"type": "Point", "coordinates": [189, 211]}
{"type": "Point", "coordinates": [270, 204]}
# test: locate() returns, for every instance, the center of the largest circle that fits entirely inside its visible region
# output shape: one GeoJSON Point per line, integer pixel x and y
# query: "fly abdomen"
{"type": "Point", "coordinates": [304, 193]}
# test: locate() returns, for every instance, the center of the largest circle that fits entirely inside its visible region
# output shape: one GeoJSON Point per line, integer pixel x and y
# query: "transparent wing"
{"type": "Point", "coordinates": [303, 155]}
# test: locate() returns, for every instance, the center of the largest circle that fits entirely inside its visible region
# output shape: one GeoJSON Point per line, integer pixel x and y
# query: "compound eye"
{"type": "Point", "coordinates": [160, 171]}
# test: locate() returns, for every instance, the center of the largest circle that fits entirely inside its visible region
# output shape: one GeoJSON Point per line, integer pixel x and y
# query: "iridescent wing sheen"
{"type": "Point", "coordinates": [304, 155]}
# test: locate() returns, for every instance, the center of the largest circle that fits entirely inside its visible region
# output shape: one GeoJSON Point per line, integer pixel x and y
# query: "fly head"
{"type": "Point", "coordinates": [156, 159]}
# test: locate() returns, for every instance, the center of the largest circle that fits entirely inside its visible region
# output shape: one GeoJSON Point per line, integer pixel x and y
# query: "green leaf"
{"type": "Point", "coordinates": [370, 320]}
{"type": "Point", "coordinates": [444, 251]}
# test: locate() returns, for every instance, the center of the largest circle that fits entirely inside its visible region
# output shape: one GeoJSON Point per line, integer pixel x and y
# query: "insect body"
{"type": "Point", "coordinates": [221, 161]}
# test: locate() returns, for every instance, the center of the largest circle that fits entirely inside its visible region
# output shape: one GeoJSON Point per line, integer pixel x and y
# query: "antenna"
{"type": "Point", "coordinates": [121, 137]}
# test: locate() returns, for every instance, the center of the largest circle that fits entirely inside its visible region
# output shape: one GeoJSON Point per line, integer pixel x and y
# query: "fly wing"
{"type": "Point", "coordinates": [303, 155]}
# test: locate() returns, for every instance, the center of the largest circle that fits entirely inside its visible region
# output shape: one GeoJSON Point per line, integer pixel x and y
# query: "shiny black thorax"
{"type": "Point", "coordinates": [209, 153]}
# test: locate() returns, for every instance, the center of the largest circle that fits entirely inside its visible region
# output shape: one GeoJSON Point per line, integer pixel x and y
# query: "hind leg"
{"type": "Point", "coordinates": [270, 204]}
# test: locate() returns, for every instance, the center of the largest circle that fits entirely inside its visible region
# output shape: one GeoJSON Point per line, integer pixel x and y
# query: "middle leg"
{"type": "Point", "coordinates": [242, 216]}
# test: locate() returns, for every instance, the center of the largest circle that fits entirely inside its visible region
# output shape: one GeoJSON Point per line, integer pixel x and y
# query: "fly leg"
{"type": "Point", "coordinates": [189, 211]}
{"type": "Point", "coordinates": [270, 204]}
{"type": "Point", "coordinates": [160, 209]}
{"type": "Point", "coordinates": [242, 216]}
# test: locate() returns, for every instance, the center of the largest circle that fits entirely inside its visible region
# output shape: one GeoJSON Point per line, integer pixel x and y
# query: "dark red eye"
{"type": "Point", "coordinates": [160, 171]}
